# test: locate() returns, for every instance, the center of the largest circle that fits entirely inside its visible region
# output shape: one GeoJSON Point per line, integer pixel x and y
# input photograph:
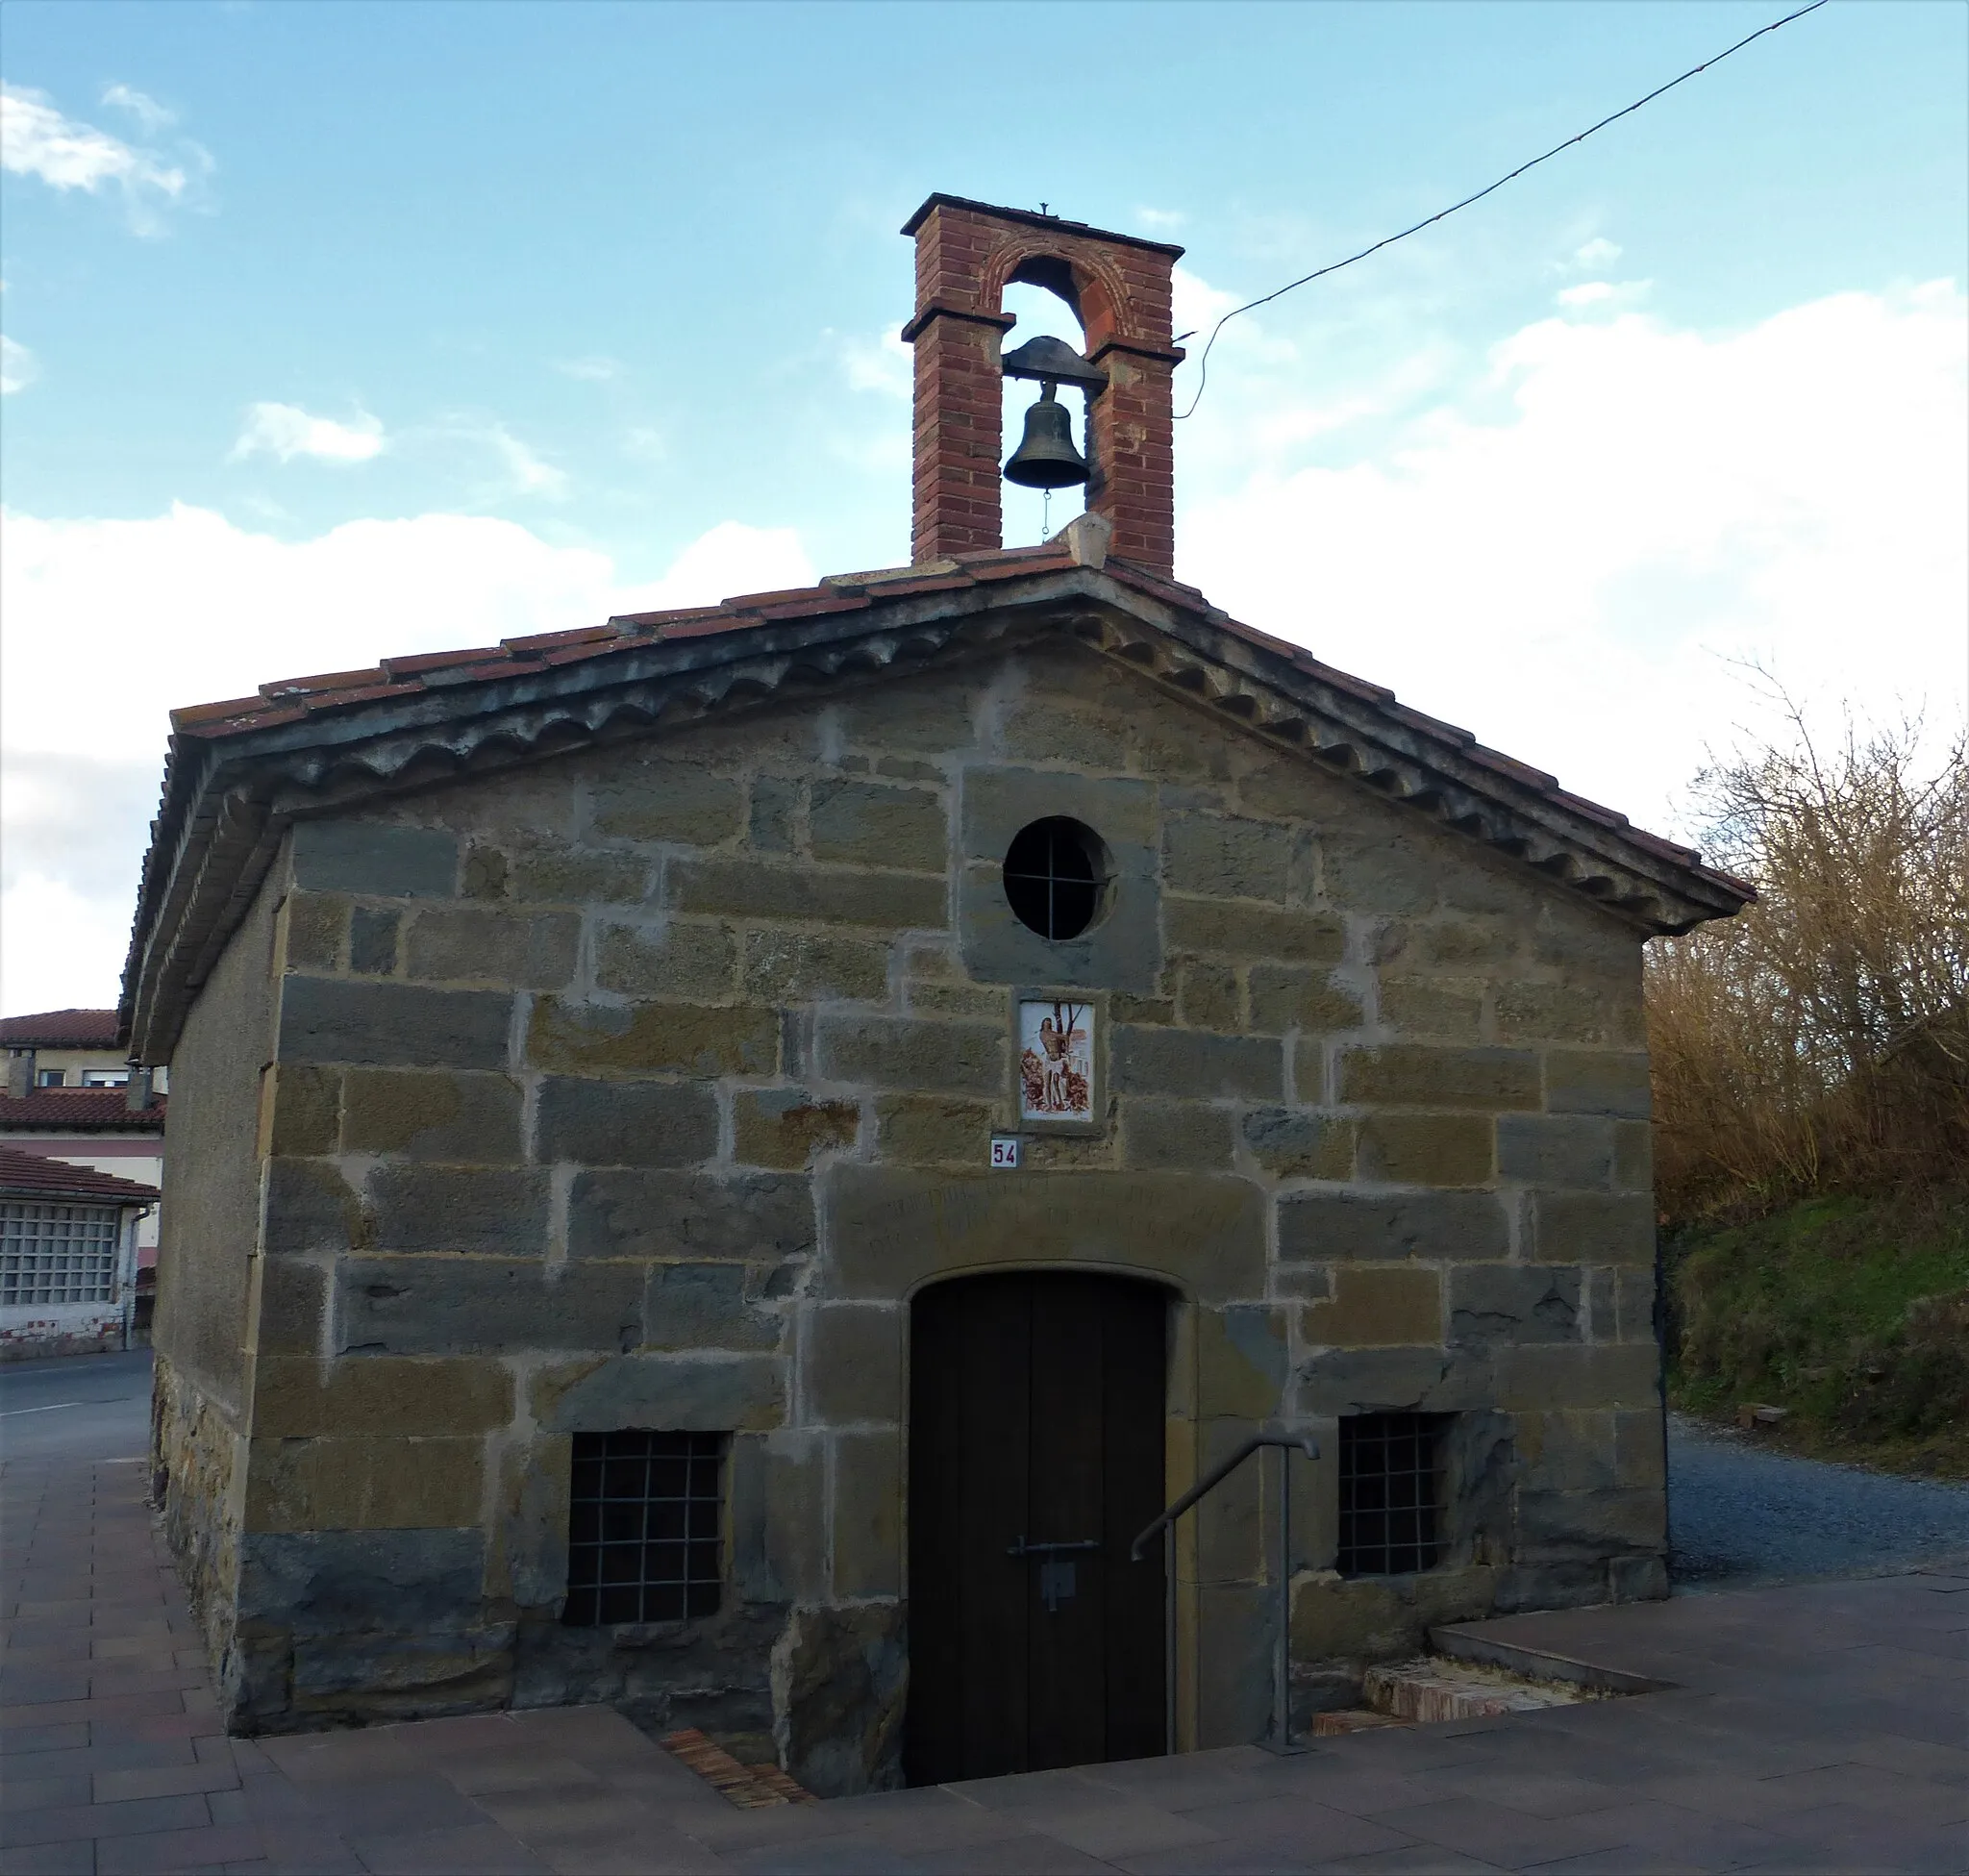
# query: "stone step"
{"type": "Point", "coordinates": [1433, 1688]}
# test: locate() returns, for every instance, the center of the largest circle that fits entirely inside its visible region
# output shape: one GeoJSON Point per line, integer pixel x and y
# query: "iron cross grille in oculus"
{"type": "Point", "coordinates": [643, 1518]}
{"type": "Point", "coordinates": [1054, 874]}
{"type": "Point", "coordinates": [1390, 1494]}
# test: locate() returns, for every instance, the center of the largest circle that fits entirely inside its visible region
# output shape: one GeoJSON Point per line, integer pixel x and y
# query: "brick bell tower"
{"type": "Point", "coordinates": [1118, 287]}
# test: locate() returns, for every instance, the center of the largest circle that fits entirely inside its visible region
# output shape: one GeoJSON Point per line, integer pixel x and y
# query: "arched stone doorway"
{"type": "Point", "coordinates": [1036, 1410]}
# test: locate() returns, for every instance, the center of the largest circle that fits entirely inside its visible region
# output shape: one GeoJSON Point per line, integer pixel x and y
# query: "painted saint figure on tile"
{"type": "Point", "coordinates": [1055, 1061]}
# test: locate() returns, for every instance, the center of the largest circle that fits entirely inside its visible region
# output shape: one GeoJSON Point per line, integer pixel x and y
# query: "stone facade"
{"type": "Point", "coordinates": [642, 1086]}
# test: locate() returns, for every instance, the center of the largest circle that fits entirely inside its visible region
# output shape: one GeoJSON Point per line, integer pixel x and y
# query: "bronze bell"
{"type": "Point", "coordinates": [1046, 458]}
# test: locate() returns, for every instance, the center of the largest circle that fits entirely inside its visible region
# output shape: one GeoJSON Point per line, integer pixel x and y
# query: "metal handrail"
{"type": "Point", "coordinates": [1280, 1738]}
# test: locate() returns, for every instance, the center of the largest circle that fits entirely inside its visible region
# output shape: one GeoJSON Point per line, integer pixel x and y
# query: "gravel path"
{"type": "Point", "coordinates": [1739, 1514]}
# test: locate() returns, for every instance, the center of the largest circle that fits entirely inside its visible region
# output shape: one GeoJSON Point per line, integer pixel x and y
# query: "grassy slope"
{"type": "Point", "coordinates": [1852, 1312]}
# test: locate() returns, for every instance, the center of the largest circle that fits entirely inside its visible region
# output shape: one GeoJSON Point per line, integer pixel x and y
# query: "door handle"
{"type": "Point", "coordinates": [1057, 1579]}
{"type": "Point", "coordinates": [1021, 1548]}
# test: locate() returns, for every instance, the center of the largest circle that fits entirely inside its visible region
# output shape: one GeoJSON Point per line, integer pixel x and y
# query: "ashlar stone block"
{"type": "Point", "coordinates": [1166, 1134]}
{"type": "Point", "coordinates": [1593, 1228]}
{"type": "Point", "coordinates": [1557, 1150]}
{"type": "Point", "coordinates": [1610, 1081]}
{"type": "Point", "coordinates": [929, 1129]}
{"type": "Point", "coordinates": [374, 858]}
{"type": "Point", "coordinates": [1426, 1149]}
{"type": "Point", "coordinates": [609, 1123]}
{"type": "Point", "coordinates": [788, 1127]}
{"type": "Point", "coordinates": [851, 1364]}
{"type": "Point", "coordinates": [1388, 1306]}
{"type": "Point", "coordinates": [335, 1483]}
{"type": "Point", "coordinates": [679, 1393]}
{"type": "Point", "coordinates": [674, 800]}
{"type": "Point", "coordinates": [683, 958]}
{"type": "Point", "coordinates": [682, 1216]}
{"type": "Point", "coordinates": [393, 1025]}
{"type": "Point", "coordinates": [303, 1110]}
{"type": "Point", "coordinates": [901, 1051]}
{"type": "Point", "coordinates": [1197, 1064]}
{"type": "Point", "coordinates": [868, 1514]}
{"type": "Point", "coordinates": [1516, 1303]}
{"type": "Point", "coordinates": [1285, 997]}
{"type": "Point", "coordinates": [471, 1119]}
{"type": "Point", "coordinates": [1227, 857]}
{"type": "Point", "coordinates": [1414, 1075]}
{"type": "Point", "coordinates": [473, 945]}
{"type": "Point", "coordinates": [1215, 928]}
{"type": "Point", "coordinates": [794, 967]}
{"type": "Point", "coordinates": [473, 1210]}
{"type": "Point", "coordinates": [449, 1305]}
{"type": "Point", "coordinates": [1300, 1143]}
{"type": "Point", "coordinates": [871, 824]}
{"type": "Point", "coordinates": [704, 1307]}
{"type": "Point", "coordinates": [807, 895]}
{"type": "Point", "coordinates": [676, 1038]}
{"type": "Point", "coordinates": [1324, 1227]}
{"type": "Point", "coordinates": [375, 1395]}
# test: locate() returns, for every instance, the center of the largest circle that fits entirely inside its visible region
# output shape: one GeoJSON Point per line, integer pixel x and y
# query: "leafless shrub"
{"type": "Point", "coordinates": [1819, 1042]}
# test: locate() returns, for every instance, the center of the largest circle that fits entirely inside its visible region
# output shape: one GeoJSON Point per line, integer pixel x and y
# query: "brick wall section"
{"type": "Point", "coordinates": [641, 1087]}
{"type": "Point", "coordinates": [1121, 290]}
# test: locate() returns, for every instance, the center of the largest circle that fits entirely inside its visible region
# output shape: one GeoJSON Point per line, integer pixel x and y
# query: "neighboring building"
{"type": "Point", "coordinates": [70, 1094]}
{"type": "Point", "coordinates": [67, 1256]}
{"type": "Point", "coordinates": [708, 1145]}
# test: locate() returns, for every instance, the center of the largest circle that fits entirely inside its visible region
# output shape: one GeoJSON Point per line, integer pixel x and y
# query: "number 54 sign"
{"type": "Point", "coordinates": [1004, 1151]}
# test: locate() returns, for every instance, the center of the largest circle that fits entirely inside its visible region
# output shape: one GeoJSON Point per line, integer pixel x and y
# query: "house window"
{"type": "Point", "coordinates": [106, 1078]}
{"type": "Point", "coordinates": [50, 1078]}
{"type": "Point", "coordinates": [643, 1527]}
{"type": "Point", "coordinates": [1055, 871]}
{"type": "Point", "coordinates": [1390, 1494]}
{"type": "Point", "coordinates": [57, 1253]}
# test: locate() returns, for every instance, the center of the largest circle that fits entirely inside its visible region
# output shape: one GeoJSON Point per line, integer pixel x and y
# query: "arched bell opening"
{"type": "Point", "coordinates": [1041, 295]}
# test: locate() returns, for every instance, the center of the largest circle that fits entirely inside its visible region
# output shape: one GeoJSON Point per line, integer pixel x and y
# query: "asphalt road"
{"type": "Point", "coordinates": [1739, 1515]}
{"type": "Point", "coordinates": [80, 1407]}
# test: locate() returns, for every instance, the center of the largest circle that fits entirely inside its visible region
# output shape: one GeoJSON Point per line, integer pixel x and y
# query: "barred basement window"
{"type": "Point", "coordinates": [57, 1253]}
{"type": "Point", "coordinates": [1390, 1494]}
{"type": "Point", "coordinates": [643, 1543]}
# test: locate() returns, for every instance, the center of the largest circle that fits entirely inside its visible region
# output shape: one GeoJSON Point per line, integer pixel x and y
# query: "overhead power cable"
{"type": "Point", "coordinates": [1319, 273]}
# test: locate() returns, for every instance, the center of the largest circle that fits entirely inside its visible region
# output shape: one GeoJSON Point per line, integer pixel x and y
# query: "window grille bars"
{"type": "Point", "coordinates": [1390, 1494]}
{"type": "Point", "coordinates": [57, 1253]}
{"type": "Point", "coordinates": [643, 1527]}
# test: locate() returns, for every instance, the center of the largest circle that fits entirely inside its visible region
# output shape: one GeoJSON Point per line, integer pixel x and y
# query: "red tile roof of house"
{"type": "Point", "coordinates": [61, 1029]}
{"type": "Point", "coordinates": [79, 1111]}
{"type": "Point", "coordinates": [36, 1175]}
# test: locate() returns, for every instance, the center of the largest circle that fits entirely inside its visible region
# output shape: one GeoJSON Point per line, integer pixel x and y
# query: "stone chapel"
{"type": "Point", "coordinates": [731, 1161]}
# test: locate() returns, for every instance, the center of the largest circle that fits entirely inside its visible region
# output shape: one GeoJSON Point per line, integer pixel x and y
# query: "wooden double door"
{"type": "Point", "coordinates": [1037, 1403]}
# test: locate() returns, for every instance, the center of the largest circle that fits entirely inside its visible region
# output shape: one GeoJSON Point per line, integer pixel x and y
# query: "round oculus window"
{"type": "Point", "coordinates": [1055, 877]}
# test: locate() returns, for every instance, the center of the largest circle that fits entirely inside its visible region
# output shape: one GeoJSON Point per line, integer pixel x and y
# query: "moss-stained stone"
{"type": "Point", "coordinates": [393, 1025]}
{"type": "Point", "coordinates": [791, 968]}
{"type": "Point", "coordinates": [1222, 856]}
{"type": "Point", "coordinates": [1207, 996]}
{"type": "Point", "coordinates": [851, 1364]}
{"type": "Point", "coordinates": [1569, 1452]}
{"type": "Point", "coordinates": [1409, 1075]}
{"type": "Point", "coordinates": [987, 1002]}
{"type": "Point", "coordinates": [1384, 871]}
{"type": "Point", "coordinates": [1634, 1306]}
{"type": "Point", "coordinates": [929, 1129]}
{"type": "Point", "coordinates": [772, 822]}
{"type": "Point", "coordinates": [787, 1127]}
{"type": "Point", "coordinates": [1325, 1227]}
{"type": "Point", "coordinates": [1417, 1380]}
{"type": "Point", "coordinates": [870, 824]}
{"type": "Point", "coordinates": [1283, 997]}
{"type": "Point", "coordinates": [679, 1393]}
{"type": "Point", "coordinates": [1124, 1007]}
{"type": "Point", "coordinates": [1417, 1007]}
{"type": "Point", "coordinates": [838, 1678]}
{"type": "Point", "coordinates": [609, 1123]}
{"type": "Point", "coordinates": [1555, 1013]}
{"type": "Point", "coordinates": [1310, 1079]}
{"type": "Point", "coordinates": [315, 927]}
{"type": "Point", "coordinates": [868, 1514]}
{"type": "Point", "coordinates": [1170, 1134]}
{"type": "Point", "coordinates": [304, 1110]}
{"type": "Point", "coordinates": [377, 1395]}
{"type": "Point", "coordinates": [891, 1228]}
{"type": "Point", "coordinates": [1197, 1064]}
{"type": "Point", "coordinates": [471, 1119]}
{"type": "Point", "coordinates": [817, 895]}
{"type": "Point", "coordinates": [677, 1039]}
{"type": "Point", "coordinates": [291, 1308]}
{"type": "Point", "coordinates": [902, 1053]}
{"type": "Point", "coordinates": [1376, 1306]}
{"type": "Point", "coordinates": [1457, 943]}
{"type": "Point", "coordinates": [1241, 1362]}
{"type": "Point", "coordinates": [1542, 1378]}
{"type": "Point", "coordinates": [1598, 1081]}
{"type": "Point", "coordinates": [1634, 1156]}
{"type": "Point", "coordinates": [309, 1206]}
{"type": "Point", "coordinates": [685, 1215]}
{"type": "Point", "coordinates": [1211, 926]}
{"type": "Point", "coordinates": [1592, 1228]}
{"type": "Point", "coordinates": [705, 1306]}
{"type": "Point", "coordinates": [1300, 1143]}
{"type": "Point", "coordinates": [1640, 1452]}
{"type": "Point", "coordinates": [363, 1484]}
{"type": "Point", "coordinates": [1426, 1149]}
{"type": "Point", "coordinates": [1520, 1303]}
{"type": "Point", "coordinates": [674, 800]}
{"type": "Point", "coordinates": [684, 958]}
{"type": "Point", "coordinates": [472, 946]}
{"type": "Point", "coordinates": [485, 872]}
{"type": "Point", "coordinates": [569, 876]}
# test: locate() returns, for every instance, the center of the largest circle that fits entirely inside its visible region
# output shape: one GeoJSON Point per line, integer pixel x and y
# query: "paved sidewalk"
{"type": "Point", "coordinates": [1817, 1728]}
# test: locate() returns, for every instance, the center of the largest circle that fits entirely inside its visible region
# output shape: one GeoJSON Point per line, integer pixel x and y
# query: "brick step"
{"type": "Point", "coordinates": [751, 1788]}
{"type": "Point", "coordinates": [1433, 1688]}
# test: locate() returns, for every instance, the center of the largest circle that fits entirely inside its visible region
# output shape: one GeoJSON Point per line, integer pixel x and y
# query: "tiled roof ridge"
{"type": "Point", "coordinates": [46, 1177]}
{"type": "Point", "coordinates": [94, 1109]}
{"type": "Point", "coordinates": [59, 1029]}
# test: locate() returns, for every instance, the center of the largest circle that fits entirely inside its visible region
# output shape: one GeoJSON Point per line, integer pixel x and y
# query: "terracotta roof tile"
{"type": "Point", "coordinates": [38, 1175]}
{"type": "Point", "coordinates": [61, 1029]}
{"type": "Point", "coordinates": [543, 641]}
{"type": "Point", "coordinates": [79, 1110]}
{"type": "Point", "coordinates": [422, 661]}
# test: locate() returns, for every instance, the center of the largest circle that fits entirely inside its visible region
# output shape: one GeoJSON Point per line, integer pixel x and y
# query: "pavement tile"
{"type": "Point", "coordinates": [29, 1686]}
{"type": "Point", "coordinates": [1917, 1758]}
{"type": "Point", "coordinates": [516, 1769]}
{"type": "Point", "coordinates": [470, 1850]}
{"type": "Point", "coordinates": [411, 1804]}
{"type": "Point", "coordinates": [1244, 1857]}
{"type": "Point", "coordinates": [59, 1737]}
{"type": "Point", "coordinates": [1538, 1793]}
{"type": "Point", "coordinates": [1013, 1855]}
{"type": "Point", "coordinates": [1676, 1836]}
{"type": "Point", "coordinates": [1497, 1835]}
{"type": "Point", "coordinates": [1323, 1831]}
{"type": "Point", "coordinates": [1118, 1827]}
{"type": "Point", "coordinates": [1874, 1788]}
{"type": "Point", "coordinates": [308, 1850]}
{"type": "Point", "coordinates": [73, 1859]}
{"type": "Point", "coordinates": [179, 1850]}
{"type": "Point", "coordinates": [1416, 1860]}
{"type": "Point", "coordinates": [1361, 1794]}
{"type": "Point", "coordinates": [61, 1822]}
{"type": "Point", "coordinates": [652, 1852]}
{"type": "Point", "coordinates": [163, 1781]}
{"type": "Point", "coordinates": [849, 1856]}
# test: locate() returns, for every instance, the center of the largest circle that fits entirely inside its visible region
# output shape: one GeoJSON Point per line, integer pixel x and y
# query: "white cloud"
{"type": "Point", "coordinates": [1566, 561]}
{"type": "Point", "coordinates": [1162, 220]}
{"type": "Point", "coordinates": [111, 622]}
{"type": "Point", "coordinates": [19, 366]}
{"type": "Point", "coordinates": [884, 365]}
{"type": "Point", "coordinates": [36, 139]}
{"type": "Point", "coordinates": [595, 369]}
{"type": "Point", "coordinates": [527, 474]}
{"type": "Point", "coordinates": [1598, 252]}
{"type": "Point", "coordinates": [1602, 295]}
{"type": "Point", "coordinates": [147, 111]}
{"type": "Point", "coordinates": [286, 431]}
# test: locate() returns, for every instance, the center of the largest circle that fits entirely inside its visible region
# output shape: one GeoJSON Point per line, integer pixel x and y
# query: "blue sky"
{"type": "Point", "coordinates": [346, 329]}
